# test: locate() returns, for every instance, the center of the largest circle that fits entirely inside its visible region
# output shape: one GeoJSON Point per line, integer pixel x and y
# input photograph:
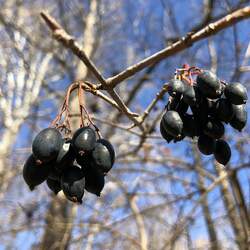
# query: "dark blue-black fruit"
{"type": "Point", "coordinates": [236, 93]}
{"type": "Point", "coordinates": [84, 139]}
{"type": "Point", "coordinates": [103, 155]}
{"type": "Point", "coordinates": [211, 106]}
{"type": "Point", "coordinates": [182, 107]}
{"type": "Point", "coordinates": [189, 125]}
{"type": "Point", "coordinates": [222, 152]}
{"type": "Point", "coordinates": [177, 104]}
{"type": "Point", "coordinates": [34, 173]}
{"type": "Point", "coordinates": [175, 87]}
{"type": "Point", "coordinates": [224, 110]}
{"type": "Point", "coordinates": [55, 173]}
{"type": "Point", "coordinates": [54, 185]}
{"type": "Point", "coordinates": [200, 114]}
{"type": "Point", "coordinates": [214, 128]}
{"type": "Point", "coordinates": [73, 183]}
{"type": "Point", "coordinates": [66, 156]}
{"type": "Point", "coordinates": [47, 144]}
{"type": "Point", "coordinates": [84, 160]}
{"type": "Point", "coordinates": [164, 133]}
{"type": "Point", "coordinates": [94, 181]}
{"type": "Point", "coordinates": [172, 123]}
{"type": "Point", "coordinates": [239, 119]}
{"type": "Point", "coordinates": [173, 102]}
{"type": "Point", "coordinates": [198, 95]}
{"type": "Point", "coordinates": [209, 85]}
{"type": "Point", "coordinates": [206, 144]}
{"type": "Point", "coordinates": [189, 95]}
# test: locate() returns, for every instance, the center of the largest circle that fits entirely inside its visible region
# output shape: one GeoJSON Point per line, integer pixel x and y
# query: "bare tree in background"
{"type": "Point", "coordinates": [154, 198]}
{"type": "Point", "coordinates": [23, 71]}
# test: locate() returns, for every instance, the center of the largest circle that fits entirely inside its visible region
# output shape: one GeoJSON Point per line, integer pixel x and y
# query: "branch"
{"type": "Point", "coordinates": [140, 223]}
{"type": "Point", "coordinates": [69, 42]}
{"type": "Point", "coordinates": [109, 84]}
{"type": "Point", "coordinates": [184, 222]}
{"type": "Point", "coordinates": [89, 87]}
{"type": "Point", "coordinates": [158, 97]}
{"type": "Point", "coordinates": [185, 42]}
{"type": "Point", "coordinates": [62, 36]}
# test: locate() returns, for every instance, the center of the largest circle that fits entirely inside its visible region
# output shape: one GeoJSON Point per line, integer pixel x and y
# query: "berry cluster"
{"type": "Point", "coordinates": [69, 163]}
{"type": "Point", "coordinates": [199, 108]}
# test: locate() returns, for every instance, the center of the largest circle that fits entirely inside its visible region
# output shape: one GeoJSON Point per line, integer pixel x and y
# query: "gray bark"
{"type": "Point", "coordinates": [205, 206]}
{"type": "Point", "coordinates": [231, 209]}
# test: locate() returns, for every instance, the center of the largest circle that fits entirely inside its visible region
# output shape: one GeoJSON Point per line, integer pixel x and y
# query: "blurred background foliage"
{"type": "Point", "coordinates": [158, 195]}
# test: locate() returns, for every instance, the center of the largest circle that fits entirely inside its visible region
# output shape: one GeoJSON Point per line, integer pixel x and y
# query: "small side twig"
{"type": "Point", "coordinates": [150, 107]}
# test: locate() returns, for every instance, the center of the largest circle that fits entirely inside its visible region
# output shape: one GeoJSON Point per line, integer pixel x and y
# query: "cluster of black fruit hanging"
{"type": "Point", "coordinates": [69, 163]}
{"type": "Point", "coordinates": [212, 102]}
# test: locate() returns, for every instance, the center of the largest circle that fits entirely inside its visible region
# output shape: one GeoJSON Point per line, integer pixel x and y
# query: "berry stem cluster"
{"type": "Point", "coordinates": [84, 117]}
{"type": "Point", "coordinates": [70, 162]}
{"type": "Point", "coordinates": [186, 73]}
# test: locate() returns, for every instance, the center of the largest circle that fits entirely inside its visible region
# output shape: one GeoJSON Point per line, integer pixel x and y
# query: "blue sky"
{"type": "Point", "coordinates": [145, 28]}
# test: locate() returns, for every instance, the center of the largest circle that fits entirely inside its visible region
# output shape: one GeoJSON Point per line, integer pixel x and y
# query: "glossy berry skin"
{"type": "Point", "coordinates": [236, 93]}
{"type": "Point", "coordinates": [209, 84]}
{"type": "Point", "coordinates": [206, 144]}
{"type": "Point", "coordinates": [34, 173]}
{"type": "Point", "coordinates": [175, 87]}
{"type": "Point", "coordinates": [103, 155]}
{"type": "Point", "coordinates": [214, 128]}
{"type": "Point", "coordinates": [66, 156]}
{"type": "Point", "coordinates": [172, 123]}
{"type": "Point", "coordinates": [239, 119]}
{"type": "Point", "coordinates": [47, 144]}
{"type": "Point", "coordinates": [164, 133]}
{"type": "Point", "coordinates": [222, 152]}
{"type": "Point", "coordinates": [73, 183]}
{"type": "Point", "coordinates": [54, 185]}
{"type": "Point", "coordinates": [94, 181]}
{"type": "Point", "coordinates": [84, 139]}
{"type": "Point", "coordinates": [224, 110]}
{"type": "Point", "coordinates": [189, 95]}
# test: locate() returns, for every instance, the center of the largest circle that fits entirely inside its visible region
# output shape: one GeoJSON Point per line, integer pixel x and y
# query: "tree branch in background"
{"type": "Point", "coordinates": [61, 35]}
{"type": "Point", "coordinates": [182, 44]}
{"type": "Point", "coordinates": [68, 41]}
